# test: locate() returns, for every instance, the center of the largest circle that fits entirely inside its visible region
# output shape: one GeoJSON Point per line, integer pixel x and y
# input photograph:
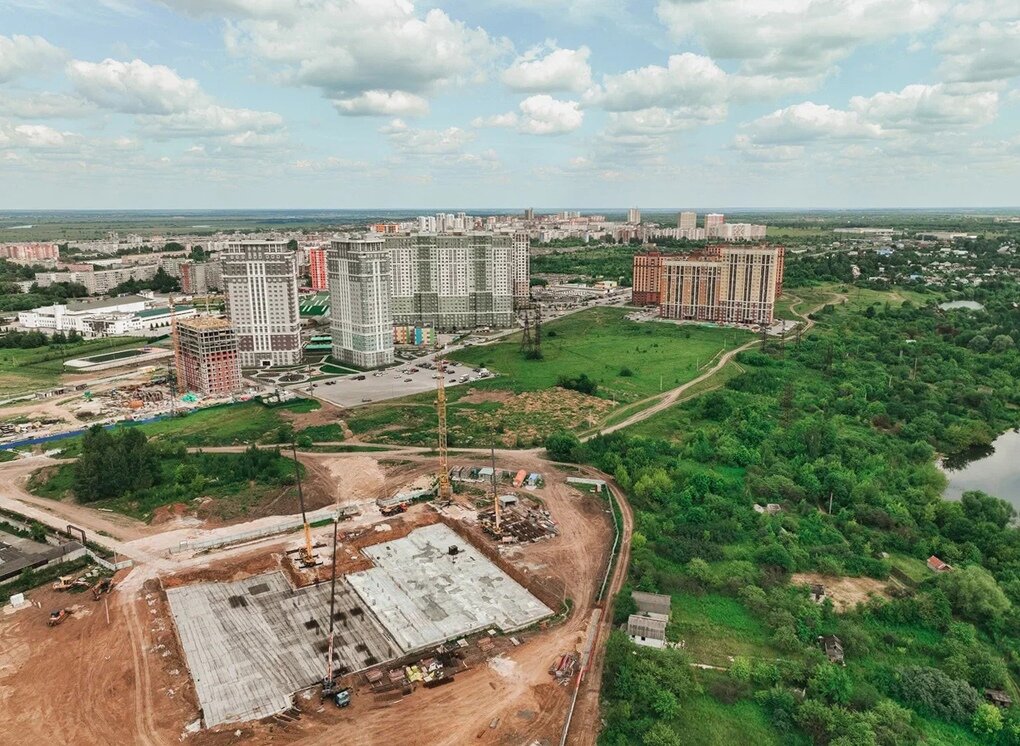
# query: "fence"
{"type": "Point", "coordinates": [258, 533]}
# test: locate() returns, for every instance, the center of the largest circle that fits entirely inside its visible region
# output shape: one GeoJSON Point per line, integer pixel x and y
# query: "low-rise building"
{"type": "Point", "coordinates": [648, 626]}
{"type": "Point", "coordinates": [131, 315]}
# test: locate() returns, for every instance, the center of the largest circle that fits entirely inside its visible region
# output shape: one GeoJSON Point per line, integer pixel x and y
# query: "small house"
{"type": "Point", "coordinates": [648, 629]}
{"type": "Point", "coordinates": [998, 698]}
{"type": "Point", "coordinates": [937, 565]}
{"type": "Point", "coordinates": [833, 648]}
{"type": "Point", "coordinates": [655, 603]}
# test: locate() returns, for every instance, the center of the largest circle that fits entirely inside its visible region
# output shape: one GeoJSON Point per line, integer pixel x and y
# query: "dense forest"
{"type": "Point", "coordinates": [853, 417]}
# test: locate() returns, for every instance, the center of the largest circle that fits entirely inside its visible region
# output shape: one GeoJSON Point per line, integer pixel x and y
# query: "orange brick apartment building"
{"type": "Point", "coordinates": [723, 284]}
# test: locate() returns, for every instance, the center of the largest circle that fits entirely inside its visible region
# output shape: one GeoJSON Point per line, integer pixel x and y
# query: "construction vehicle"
{"type": "Point", "coordinates": [307, 555]}
{"type": "Point", "coordinates": [67, 582]}
{"type": "Point", "coordinates": [57, 616]}
{"type": "Point", "coordinates": [342, 698]}
{"type": "Point", "coordinates": [105, 585]}
{"type": "Point", "coordinates": [392, 505]}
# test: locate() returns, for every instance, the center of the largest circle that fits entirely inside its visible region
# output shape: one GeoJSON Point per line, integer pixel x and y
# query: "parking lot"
{"type": "Point", "coordinates": [407, 378]}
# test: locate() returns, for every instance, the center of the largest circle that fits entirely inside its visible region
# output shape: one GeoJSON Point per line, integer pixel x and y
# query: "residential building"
{"type": "Point", "coordinates": [721, 284]}
{"type": "Point", "coordinates": [30, 253]}
{"type": "Point", "coordinates": [260, 280]}
{"type": "Point", "coordinates": [207, 357]}
{"type": "Point", "coordinates": [712, 221]}
{"type": "Point", "coordinates": [360, 319]}
{"type": "Point", "coordinates": [634, 215]}
{"type": "Point", "coordinates": [648, 626]}
{"type": "Point", "coordinates": [647, 273]}
{"type": "Point", "coordinates": [687, 221]}
{"type": "Point", "coordinates": [457, 280]}
{"type": "Point", "coordinates": [201, 278]}
{"type": "Point", "coordinates": [317, 274]}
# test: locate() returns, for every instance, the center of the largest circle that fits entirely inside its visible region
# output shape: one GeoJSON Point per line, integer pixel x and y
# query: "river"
{"type": "Point", "coordinates": [995, 470]}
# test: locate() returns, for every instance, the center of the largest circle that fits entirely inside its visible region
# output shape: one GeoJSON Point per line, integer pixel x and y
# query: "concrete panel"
{"type": "Point", "coordinates": [424, 595]}
{"type": "Point", "coordinates": [251, 644]}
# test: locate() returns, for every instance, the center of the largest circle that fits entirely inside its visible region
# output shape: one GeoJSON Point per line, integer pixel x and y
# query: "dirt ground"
{"type": "Point", "coordinates": [845, 592]}
{"type": "Point", "coordinates": [89, 682]}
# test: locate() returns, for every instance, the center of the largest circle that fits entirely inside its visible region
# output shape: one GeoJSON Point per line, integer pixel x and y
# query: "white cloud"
{"type": "Point", "coordinates": [134, 87]}
{"type": "Point", "coordinates": [416, 142]}
{"type": "Point", "coordinates": [390, 103]}
{"type": "Point", "coordinates": [21, 55]}
{"type": "Point", "coordinates": [794, 36]}
{"type": "Point", "coordinates": [43, 106]}
{"type": "Point", "coordinates": [905, 119]}
{"type": "Point", "coordinates": [985, 52]}
{"type": "Point", "coordinates": [346, 48]}
{"type": "Point", "coordinates": [210, 120]}
{"type": "Point", "coordinates": [687, 80]}
{"type": "Point", "coordinates": [558, 70]}
{"type": "Point", "coordinates": [36, 137]}
{"type": "Point", "coordinates": [540, 115]}
{"type": "Point", "coordinates": [509, 119]}
{"type": "Point", "coordinates": [659, 121]}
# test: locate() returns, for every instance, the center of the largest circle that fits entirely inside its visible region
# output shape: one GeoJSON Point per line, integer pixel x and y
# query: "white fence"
{"type": "Point", "coordinates": [259, 533]}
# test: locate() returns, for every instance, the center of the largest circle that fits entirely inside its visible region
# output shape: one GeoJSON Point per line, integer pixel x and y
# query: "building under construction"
{"type": "Point", "coordinates": [722, 284]}
{"type": "Point", "coordinates": [207, 357]}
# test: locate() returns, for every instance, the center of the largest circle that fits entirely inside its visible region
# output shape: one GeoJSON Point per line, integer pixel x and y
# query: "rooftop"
{"type": "Point", "coordinates": [98, 305]}
{"type": "Point", "coordinates": [160, 311]}
{"type": "Point", "coordinates": [205, 323]}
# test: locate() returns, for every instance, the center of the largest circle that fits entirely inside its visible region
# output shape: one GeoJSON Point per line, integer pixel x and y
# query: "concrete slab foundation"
{"type": "Point", "coordinates": [424, 595]}
{"type": "Point", "coordinates": [251, 644]}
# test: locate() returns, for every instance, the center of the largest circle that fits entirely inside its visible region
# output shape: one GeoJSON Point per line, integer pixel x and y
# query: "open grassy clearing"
{"type": "Point", "coordinates": [22, 371]}
{"type": "Point", "coordinates": [602, 343]}
{"type": "Point", "coordinates": [716, 628]}
{"type": "Point", "coordinates": [706, 721]}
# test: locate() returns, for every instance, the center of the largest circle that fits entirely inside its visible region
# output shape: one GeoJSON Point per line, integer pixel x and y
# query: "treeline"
{"type": "Point", "coordinates": [115, 464]}
{"type": "Point", "coordinates": [851, 417]}
{"type": "Point", "coordinates": [31, 340]}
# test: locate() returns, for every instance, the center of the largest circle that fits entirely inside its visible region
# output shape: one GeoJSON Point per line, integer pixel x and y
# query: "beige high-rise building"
{"type": "Point", "coordinates": [687, 221]}
{"type": "Point", "coordinates": [261, 282]}
{"type": "Point", "coordinates": [722, 284]}
{"type": "Point", "coordinates": [634, 216]}
{"type": "Point", "coordinates": [359, 315]}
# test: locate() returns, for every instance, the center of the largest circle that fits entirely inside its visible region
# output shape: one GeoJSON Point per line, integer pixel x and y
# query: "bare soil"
{"type": "Point", "coordinates": [845, 592]}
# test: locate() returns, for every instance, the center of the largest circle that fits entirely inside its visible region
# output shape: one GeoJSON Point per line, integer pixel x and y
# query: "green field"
{"type": "Point", "coordinates": [22, 371]}
{"type": "Point", "coordinates": [716, 627]}
{"type": "Point", "coordinates": [602, 343]}
{"type": "Point", "coordinates": [706, 721]}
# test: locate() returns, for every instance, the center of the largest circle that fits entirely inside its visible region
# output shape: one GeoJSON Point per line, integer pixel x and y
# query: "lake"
{"type": "Point", "coordinates": [971, 305]}
{"type": "Point", "coordinates": [994, 470]}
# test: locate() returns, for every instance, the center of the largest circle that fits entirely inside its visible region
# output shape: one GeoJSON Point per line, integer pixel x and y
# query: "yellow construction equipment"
{"type": "Point", "coordinates": [307, 555]}
{"type": "Point", "coordinates": [445, 492]}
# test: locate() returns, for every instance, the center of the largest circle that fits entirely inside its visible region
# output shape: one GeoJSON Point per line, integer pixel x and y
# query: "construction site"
{"type": "Point", "coordinates": [431, 600]}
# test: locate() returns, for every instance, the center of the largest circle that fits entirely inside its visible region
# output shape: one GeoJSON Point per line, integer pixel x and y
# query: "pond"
{"type": "Point", "coordinates": [995, 470]}
{"type": "Point", "coordinates": [970, 305]}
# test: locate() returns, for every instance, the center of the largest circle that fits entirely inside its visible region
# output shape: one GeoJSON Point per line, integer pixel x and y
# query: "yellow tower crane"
{"type": "Point", "coordinates": [445, 492]}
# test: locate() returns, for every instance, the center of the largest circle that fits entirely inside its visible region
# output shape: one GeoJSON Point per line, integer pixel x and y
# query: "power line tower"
{"type": "Point", "coordinates": [445, 491]}
{"type": "Point", "coordinates": [531, 339]}
{"type": "Point", "coordinates": [526, 335]}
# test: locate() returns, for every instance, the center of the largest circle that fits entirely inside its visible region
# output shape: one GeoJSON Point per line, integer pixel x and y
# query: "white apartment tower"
{"type": "Point", "coordinates": [687, 221]}
{"type": "Point", "coordinates": [261, 283]}
{"type": "Point", "coordinates": [360, 321]}
{"type": "Point", "coordinates": [634, 216]}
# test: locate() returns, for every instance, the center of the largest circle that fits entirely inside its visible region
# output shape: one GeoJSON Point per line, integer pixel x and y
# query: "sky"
{"type": "Point", "coordinates": [219, 104]}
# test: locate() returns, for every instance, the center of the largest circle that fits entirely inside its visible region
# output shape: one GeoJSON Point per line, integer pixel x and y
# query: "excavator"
{"type": "Point", "coordinates": [67, 582]}
{"type": "Point", "coordinates": [105, 585]}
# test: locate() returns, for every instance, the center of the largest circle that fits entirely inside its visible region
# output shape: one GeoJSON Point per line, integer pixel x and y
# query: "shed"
{"type": "Point", "coordinates": [817, 592]}
{"type": "Point", "coordinates": [506, 501]}
{"type": "Point", "coordinates": [998, 698]}
{"type": "Point", "coordinates": [654, 603]}
{"type": "Point", "coordinates": [937, 565]}
{"type": "Point", "coordinates": [833, 648]}
{"type": "Point", "coordinates": [648, 629]}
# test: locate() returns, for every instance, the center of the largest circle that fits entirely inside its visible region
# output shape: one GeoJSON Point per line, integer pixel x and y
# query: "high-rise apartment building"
{"type": "Point", "coordinates": [647, 272]}
{"type": "Point", "coordinates": [713, 224]}
{"type": "Point", "coordinates": [199, 278]}
{"type": "Point", "coordinates": [634, 215]}
{"type": "Point", "coordinates": [687, 221]}
{"type": "Point", "coordinates": [260, 280]}
{"type": "Point", "coordinates": [722, 284]}
{"type": "Point", "coordinates": [360, 320]}
{"type": "Point", "coordinates": [458, 280]}
{"type": "Point", "coordinates": [317, 273]}
{"type": "Point", "coordinates": [207, 356]}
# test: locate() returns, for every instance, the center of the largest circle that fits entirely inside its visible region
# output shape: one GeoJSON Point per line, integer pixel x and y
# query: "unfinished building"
{"type": "Point", "coordinates": [207, 356]}
{"type": "Point", "coordinates": [251, 644]}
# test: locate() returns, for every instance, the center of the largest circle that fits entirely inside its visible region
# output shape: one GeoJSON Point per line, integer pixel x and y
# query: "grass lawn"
{"type": "Point", "coordinates": [716, 627]}
{"type": "Point", "coordinates": [913, 568]}
{"type": "Point", "coordinates": [42, 367]}
{"type": "Point", "coordinates": [602, 342]}
{"type": "Point", "coordinates": [231, 424]}
{"type": "Point", "coordinates": [706, 721]}
{"type": "Point", "coordinates": [858, 298]}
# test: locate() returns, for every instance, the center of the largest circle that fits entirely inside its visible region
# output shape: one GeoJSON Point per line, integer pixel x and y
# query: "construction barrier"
{"type": "Point", "coordinates": [260, 533]}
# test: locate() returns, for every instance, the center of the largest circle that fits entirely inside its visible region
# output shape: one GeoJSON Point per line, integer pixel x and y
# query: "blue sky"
{"type": "Point", "coordinates": [587, 103]}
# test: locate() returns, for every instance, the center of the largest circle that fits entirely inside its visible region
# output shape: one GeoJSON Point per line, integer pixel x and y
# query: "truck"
{"type": "Point", "coordinates": [57, 616]}
{"type": "Point", "coordinates": [342, 698]}
{"type": "Point", "coordinates": [392, 505]}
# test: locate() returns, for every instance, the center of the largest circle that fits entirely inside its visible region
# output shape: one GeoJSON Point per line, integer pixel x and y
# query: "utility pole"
{"type": "Point", "coordinates": [495, 498]}
{"type": "Point", "coordinates": [332, 604]}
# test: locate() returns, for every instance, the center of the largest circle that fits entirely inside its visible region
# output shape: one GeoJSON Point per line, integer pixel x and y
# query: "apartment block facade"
{"type": "Point", "coordinates": [318, 275]}
{"type": "Point", "coordinates": [207, 356]}
{"type": "Point", "coordinates": [457, 280]}
{"type": "Point", "coordinates": [200, 278]}
{"type": "Point", "coordinates": [721, 284]}
{"type": "Point", "coordinates": [360, 319]}
{"type": "Point", "coordinates": [261, 283]}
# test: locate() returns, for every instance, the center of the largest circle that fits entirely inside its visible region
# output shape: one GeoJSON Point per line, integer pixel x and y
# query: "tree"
{"type": "Point", "coordinates": [979, 343]}
{"type": "Point", "coordinates": [975, 595]}
{"type": "Point", "coordinates": [1002, 342]}
{"type": "Point", "coordinates": [831, 683]}
{"type": "Point", "coordinates": [932, 691]}
{"type": "Point", "coordinates": [987, 720]}
{"type": "Point", "coordinates": [562, 446]}
{"type": "Point", "coordinates": [162, 282]}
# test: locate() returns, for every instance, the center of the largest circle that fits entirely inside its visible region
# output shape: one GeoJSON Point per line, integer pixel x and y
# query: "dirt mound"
{"type": "Point", "coordinates": [167, 513]}
{"type": "Point", "coordinates": [225, 570]}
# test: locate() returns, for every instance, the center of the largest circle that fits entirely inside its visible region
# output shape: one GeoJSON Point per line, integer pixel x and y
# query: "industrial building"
{"type": "Point", "coordinates": [721, 284]}
{"type": "Point", "coordinates": [360, 320]}
{"type": "Point", "coordinates": [260, 280]}
{"type": "Point", "coordinates": [207, 357]}
{"type": "Point", "coordinates": [131, 315]}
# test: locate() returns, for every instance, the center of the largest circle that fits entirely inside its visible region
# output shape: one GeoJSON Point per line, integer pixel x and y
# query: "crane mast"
{"type": "Point", "coordinates": [445, 492]}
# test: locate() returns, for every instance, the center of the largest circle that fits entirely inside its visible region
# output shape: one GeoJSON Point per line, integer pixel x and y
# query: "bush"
{"type": "Point", "coordinates": [933, 692]}
{"type": "Point", "coordinates": [564, 446]}
{"type": "Point", "coordinates": [582, 384]}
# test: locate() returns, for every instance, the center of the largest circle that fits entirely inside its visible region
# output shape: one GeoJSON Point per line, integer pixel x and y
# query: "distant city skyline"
{"type": "Point", "coordinates": [379, 104]}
